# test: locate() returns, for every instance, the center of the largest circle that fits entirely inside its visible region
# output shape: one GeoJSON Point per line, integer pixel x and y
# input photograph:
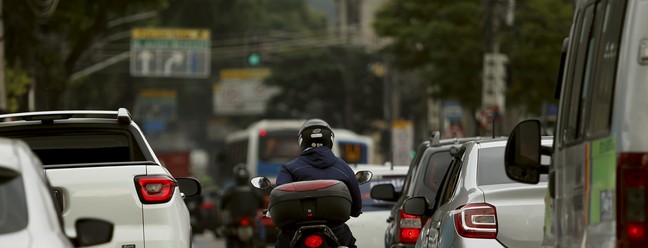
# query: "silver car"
{"type": "Point", "coordinates": [478, 206]}
{"type": "Point", "coordinates": [29, 216]}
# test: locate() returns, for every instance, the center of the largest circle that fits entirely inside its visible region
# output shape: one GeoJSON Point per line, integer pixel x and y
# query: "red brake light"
{"type": "Point", "coordinates": [155, 189]}
{"type": "Point", "coordinates": [313, 241]}
{"type": "Point", "coordinates": [476, 221]}
{"type": "Point", "coordinates": [245, 222]}
{"type": "Point", "coordinates": [409, 227]}
{"type": "Point", "coordinates": [631, 198]}
{"type": "Point", "coordinates": [206, 205]}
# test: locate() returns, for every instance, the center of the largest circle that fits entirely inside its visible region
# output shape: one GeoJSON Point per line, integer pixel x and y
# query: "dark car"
{"type": "Point", "coordinates": [424, 178]}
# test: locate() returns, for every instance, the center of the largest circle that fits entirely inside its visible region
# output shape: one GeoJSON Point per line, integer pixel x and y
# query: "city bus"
{"type": "Point", "coordinates": [267, 144]}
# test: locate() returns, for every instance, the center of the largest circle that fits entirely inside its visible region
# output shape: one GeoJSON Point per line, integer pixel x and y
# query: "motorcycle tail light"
{"type": "Point", "coordinates": [206, 205]}
{"type": "Point", "coordinates": [313, 241]}
{"type": "Point", "coordinates": [245, 222]}
{"type": "Point", "coordinates": [155, 189]}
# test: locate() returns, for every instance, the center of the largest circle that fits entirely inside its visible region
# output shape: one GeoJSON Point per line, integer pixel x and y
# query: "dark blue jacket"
{"type": "Point", "coordinates": [320, 163]}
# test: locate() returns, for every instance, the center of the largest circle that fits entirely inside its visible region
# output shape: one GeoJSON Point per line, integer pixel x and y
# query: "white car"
{"type": "Point", "coordinates": [369, 227]}
{"type": "Point", "coordinates": [100, 165]}
{"type": "Point", "coordinates": [29, 217]}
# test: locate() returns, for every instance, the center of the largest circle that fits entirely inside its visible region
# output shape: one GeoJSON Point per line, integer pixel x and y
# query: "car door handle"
{"type": "Point", "coordinates": [438, 224]}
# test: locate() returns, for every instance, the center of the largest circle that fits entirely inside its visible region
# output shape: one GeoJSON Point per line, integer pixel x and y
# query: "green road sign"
{"type": "Point", "coordinates": [164, 52]}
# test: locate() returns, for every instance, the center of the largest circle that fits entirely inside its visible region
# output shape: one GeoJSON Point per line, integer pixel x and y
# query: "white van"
{"type": "Point", "coordinates": [599, 170]}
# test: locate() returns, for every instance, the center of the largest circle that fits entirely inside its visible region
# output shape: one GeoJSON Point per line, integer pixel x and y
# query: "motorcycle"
{"type": "Point", "coordinates": [241, 233]}
{"type": "Point", "coordinates": [310, 208]}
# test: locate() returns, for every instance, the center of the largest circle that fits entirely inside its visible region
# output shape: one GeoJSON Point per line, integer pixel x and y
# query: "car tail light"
{"type": "Point", "coordinates": [155, 189]}
{"type": "Point", "coordinates": [476, 221]}
{"type": "Point", "coordinates": [409, 227]}
{"type": "Point", "coordinates": [631, 198]}
{"type": "Point", "coordinates": [313, 241]}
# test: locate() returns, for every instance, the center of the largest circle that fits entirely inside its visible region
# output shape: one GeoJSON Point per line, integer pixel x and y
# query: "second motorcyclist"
{"type": "Point", "coordinates": [242, 201]}
{"type": "Point", "coordinates": [317, 161]}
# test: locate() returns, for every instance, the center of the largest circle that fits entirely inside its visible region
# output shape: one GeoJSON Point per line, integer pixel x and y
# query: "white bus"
{"type": "Point", "coordinates": [267, 144]}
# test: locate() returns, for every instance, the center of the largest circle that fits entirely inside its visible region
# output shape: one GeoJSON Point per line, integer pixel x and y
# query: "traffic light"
{"type": "Point", "coordinates": [254, 59]}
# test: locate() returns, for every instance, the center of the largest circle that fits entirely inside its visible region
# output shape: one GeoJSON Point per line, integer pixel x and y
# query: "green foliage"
{"type": "Point", "coordinates": [534, 46]}
{"type": "Point", "coordinates": [234, 19]}
{"type": "Point", "coordinates": [441, 39]}
{"type": "Point", "coordinates": [49, 48]}
{"type": "Point", "coordinates": [444, 40]}
{"type": "Point", "coordinates": [334, 84]}
{"type": "Point", "coordinates": [17, 85]}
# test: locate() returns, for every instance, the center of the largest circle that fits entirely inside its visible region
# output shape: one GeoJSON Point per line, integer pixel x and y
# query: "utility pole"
{"type": "Point", "coordinates": [494, 64]}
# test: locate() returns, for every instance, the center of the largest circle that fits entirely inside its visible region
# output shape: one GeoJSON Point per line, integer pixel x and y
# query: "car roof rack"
{"type": "Point", "coordinates": [434, 140]}
{"type": "Point", "coordinates": [47, 117]}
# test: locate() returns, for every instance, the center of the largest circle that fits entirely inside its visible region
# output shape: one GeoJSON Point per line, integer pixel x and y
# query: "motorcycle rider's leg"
{"type": "Point", "coordinates": [261, 230]}
{"type": "Point", "coordinates": [344, 236]}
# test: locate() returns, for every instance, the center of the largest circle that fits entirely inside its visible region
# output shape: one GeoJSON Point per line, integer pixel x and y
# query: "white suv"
{"type": "Point", "coordinates": [101, 166]}
{"type": "Point", "coordinates": [28, 214]}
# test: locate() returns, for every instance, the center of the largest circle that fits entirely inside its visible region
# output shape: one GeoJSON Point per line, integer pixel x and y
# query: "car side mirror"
{"type": "Point", "coordinates": [189, 186]}
{"type": "Point", "coordinates": [92, 232]}
{"type": "Point", "coordinates": [416, 206]}
{"type": "Point", "coordinates": [383, 192]}
{"type": "Point", "coordinates": [522, 154]}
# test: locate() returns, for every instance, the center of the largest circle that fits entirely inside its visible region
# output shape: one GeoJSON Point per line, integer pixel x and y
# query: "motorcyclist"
{"type": "Point", "coordinates": [317, 161]}
{"type": "Point", "coordinates": [242, 200]}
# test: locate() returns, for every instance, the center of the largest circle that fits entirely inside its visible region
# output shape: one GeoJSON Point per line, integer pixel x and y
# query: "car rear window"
{"type": "Point", "coordinates": [13, 207]}
{"type": "Point", "coordinates": [490, 167]}
{"type": "Point", "coordinates": [85, 148]}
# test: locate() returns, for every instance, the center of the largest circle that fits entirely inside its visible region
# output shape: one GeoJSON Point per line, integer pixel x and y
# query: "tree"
{"type": "Point", "coordinates": [332, 83]}
{"type": "Point", "coordinates": [534, 44]}
{"type": "Point", "coordinates": [441, 39]}
{"type": "Point", "coordinates": [444, 40]}
{"type": "Point", "coordinates": [50, 48]}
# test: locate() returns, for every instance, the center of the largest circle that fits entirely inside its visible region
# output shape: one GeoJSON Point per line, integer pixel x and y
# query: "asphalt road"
{"type": "Point", "coordinates": [207, 240]}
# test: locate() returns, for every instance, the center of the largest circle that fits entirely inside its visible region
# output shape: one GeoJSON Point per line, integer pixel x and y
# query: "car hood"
{"type": "Point", "coordinates": [520, 212]}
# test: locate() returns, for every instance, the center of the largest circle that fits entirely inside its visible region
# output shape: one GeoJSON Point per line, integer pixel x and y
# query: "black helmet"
{"type": "Point", "coordinates": [314, 133]}
{"type": "Point", "coordinates": [241, 174]}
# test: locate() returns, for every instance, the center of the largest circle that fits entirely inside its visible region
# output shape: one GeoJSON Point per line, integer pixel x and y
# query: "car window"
{"type": "Point", "coordinates": [490, 167]}
{"type": "Point", "coordinates": [82, 148]}
{"type": "Point", "coordinates": [410, 173]}
{"type": "Point", "coordinates": [450, 181]}
{"type": "Point", "coordinates": [13, 206]}
{"type": "Point", "coordinates": [436, 169]}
